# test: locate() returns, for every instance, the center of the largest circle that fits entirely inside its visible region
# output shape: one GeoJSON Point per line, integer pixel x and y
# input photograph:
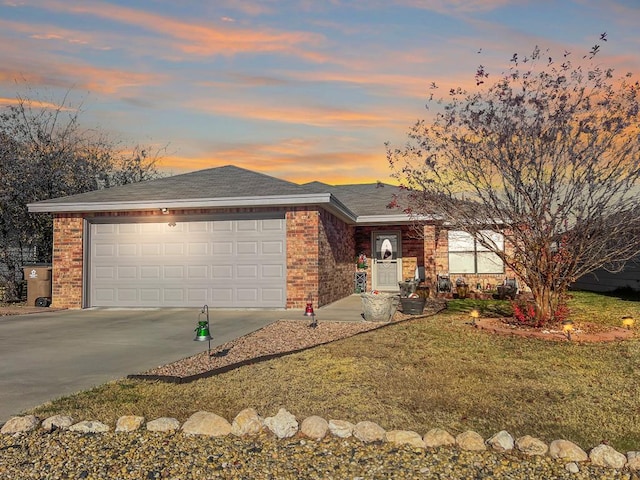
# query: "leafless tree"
{"type": "Point", "coordinates": [45, 153]}
{"type": "Point", "coordinates": [549, 153]}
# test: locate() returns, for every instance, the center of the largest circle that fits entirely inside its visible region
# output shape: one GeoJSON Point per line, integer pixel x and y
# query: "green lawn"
{"type": "Point", "coordinates": [421, 374]}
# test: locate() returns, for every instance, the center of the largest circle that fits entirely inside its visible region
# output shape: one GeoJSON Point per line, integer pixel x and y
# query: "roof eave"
{"type": "Point", "coordinates": [395, 219]}
{"type": "Point", "coordinates": [325, 200]}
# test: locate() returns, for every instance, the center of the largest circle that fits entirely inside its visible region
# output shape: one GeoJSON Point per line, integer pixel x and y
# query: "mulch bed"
{"type": "Point", "coordinates": [583, 332]}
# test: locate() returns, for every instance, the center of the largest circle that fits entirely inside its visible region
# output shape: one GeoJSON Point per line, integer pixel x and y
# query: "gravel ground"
{"type": "Point", "coordinates": [148, 455]}
{"type": "Point", "coordinates": [277, 338]}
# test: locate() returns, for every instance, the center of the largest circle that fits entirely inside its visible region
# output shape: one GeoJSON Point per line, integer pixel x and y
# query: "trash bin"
{"type": "Point", "coordinates": [38, 277]}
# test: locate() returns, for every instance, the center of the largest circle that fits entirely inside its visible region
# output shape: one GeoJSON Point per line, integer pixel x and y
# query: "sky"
{"type": "Point", "coordinates": [302, 90]}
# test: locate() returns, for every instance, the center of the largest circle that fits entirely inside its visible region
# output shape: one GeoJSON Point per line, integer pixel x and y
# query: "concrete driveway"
{"type": "Point", "coordinates": [48, 355]}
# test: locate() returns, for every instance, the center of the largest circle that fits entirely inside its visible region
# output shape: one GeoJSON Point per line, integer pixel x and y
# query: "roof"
{"type": "Point", "coordinates": [231, 186]}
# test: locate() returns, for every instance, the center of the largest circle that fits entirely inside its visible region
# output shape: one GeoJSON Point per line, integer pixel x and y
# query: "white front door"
{"type": "Point", "coordinates": [387, 261]}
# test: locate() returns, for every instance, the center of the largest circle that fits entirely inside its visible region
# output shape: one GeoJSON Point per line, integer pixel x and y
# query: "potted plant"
{"type": "Point", "coordinates": [412, 303]}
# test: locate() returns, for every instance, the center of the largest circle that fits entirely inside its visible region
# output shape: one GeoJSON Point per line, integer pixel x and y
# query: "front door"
{"type": "Point", "coordinates": [387, 261]}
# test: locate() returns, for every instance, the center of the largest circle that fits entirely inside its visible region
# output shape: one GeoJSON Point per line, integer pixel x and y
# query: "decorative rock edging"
{"type": "Point", "coordinates": [284, 425]}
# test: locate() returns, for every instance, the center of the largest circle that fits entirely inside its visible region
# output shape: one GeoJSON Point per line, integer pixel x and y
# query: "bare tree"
{"type": "Point", "coordinates": [549, 154]}
{"type": "Point", "coordinates": [44, 153]}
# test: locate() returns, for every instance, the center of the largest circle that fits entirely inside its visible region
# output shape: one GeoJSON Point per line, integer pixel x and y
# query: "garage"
{"type": "Point", "coordinates": [224, 263]}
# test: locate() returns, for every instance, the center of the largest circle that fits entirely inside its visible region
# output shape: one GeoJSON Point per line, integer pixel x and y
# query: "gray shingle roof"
{"type": "Point", "coordinates": [230, 186]}
{"type": "Point", "coordinates": [362, 198]}
{"type": "Point", "coordinates": [220, 182]}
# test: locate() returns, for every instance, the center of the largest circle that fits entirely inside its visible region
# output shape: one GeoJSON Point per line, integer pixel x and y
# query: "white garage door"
{"type": "Point", "coordinates": [238, 263]}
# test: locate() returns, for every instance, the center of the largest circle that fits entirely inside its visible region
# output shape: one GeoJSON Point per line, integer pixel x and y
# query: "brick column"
{"type": "Point", "coordinates": [67, 261]}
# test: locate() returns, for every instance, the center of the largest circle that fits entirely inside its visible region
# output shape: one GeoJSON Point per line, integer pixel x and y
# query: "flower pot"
{"type": "Point", "coordinates": [412, 306]}
{"type": "Point", "coordinates": [378, 307]}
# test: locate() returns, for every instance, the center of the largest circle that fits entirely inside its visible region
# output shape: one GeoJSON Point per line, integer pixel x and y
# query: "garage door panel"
{"type": "Point", "coordinates": [149, 272]}
{"type": "Point", "coordinates": [272, 271]}
{"type": "Point", "coordinates": [247, 272]}
{"type": "Point", "coordinates": [222, 296]}
{"type": "Point", "coordinates": [223, 226]}
{"type": "Point", "coordinates": [196, 227]}
{"type": "Point", "coordinates": [150, 249]}
{"type": "Point", "coordinates": [104, 295]}
{"type": "Point", "coordinates": [127, 250]}
{"type": "Point", "coordinates": [272, 248]}
{"type": "Point", "coordinates": [174, 295]}
{"type": "Point", "coordinates": [127, 295]}
{"type": "Point", "coordinates": [106, 273]}
{"type": "Point", "coordinates": [104, 250]}
{"type": "Point", "coordinates": [247, 248]}
{"type": "Point", "coordinates": [197, 272]}
{"type": "Point", "coordinates": [230, 263]}
{"type": "Point", "coordinates": [124, 228]}
{"type": "Point", "coordinates": [247, 295]}
{"type": "Point", "coordinates": [150, 295]}
{"type": "Point", "coordinates": [174, 248]}
{"type": "Point", "coordinates": [222, 272]}
{"type": "Point", "coordinates": [127, 273]}
{"type": "Point", "coordinates": [222, 248]}
{"type": "Point", "coordinates": [198, 249]}
{"type": "Point", "coordinates": [272, 295]}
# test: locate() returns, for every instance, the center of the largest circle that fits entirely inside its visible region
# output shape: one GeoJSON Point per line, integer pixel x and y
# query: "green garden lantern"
{"type": "Point", "coordinates": [202, 330]}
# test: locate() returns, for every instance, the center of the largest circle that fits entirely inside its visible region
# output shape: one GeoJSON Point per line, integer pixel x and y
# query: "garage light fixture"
{"type": "Point", "coordinates": [165, 211]}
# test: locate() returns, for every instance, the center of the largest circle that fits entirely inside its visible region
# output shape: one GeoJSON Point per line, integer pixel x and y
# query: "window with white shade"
{"type": "Point", "coordinates": [468, 255]}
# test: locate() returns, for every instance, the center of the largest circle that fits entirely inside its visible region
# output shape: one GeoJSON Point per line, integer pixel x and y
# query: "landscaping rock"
{"type": "Point", "coordinates": [57, 422]}
{"type": "Point", "coordinates": [206, 423]}
{"type": "Point", "coordinates": [314, 427]}
{"type": "Point", "coordinates": [471, 441]}
{"type": "Point", "coordinates": [247, 422]}
{"type": "Point", "coordinates": [566, 450]}
{"type": "Point", "coordinates": [129, 423]}
{"type": "Point", "coordinates": [437, 437]}
{"type": "Point", "coordinates": [531, 446]}
{"type": "Point", "coordinates": [572, 467]}
{"type": "Point", "coordinates": [606, 456]}
{"type": "Point", "coordinates": [341, 428]}
{"type": "Point", "coordinates": [405, 437]}
{"type": "Point", "coordinates": [89, 426]}
{"type": "Point", "coordinates": [633, 461]}
{"type": "Point", "coordinates": [163, 424]}
{"type": "Point", "coordinates": [501, 441]}
{"type": "Point", "coordinates": [368, 432]}
{"type": "Point", "coordinates": [283, 425]}
{"type": "Point", "coordinates": [18, 425]}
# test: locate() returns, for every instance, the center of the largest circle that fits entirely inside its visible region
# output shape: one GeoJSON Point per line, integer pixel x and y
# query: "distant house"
{"type": "Point", "coordinates": [604, 281]}
{"type": "Point", "coordinates": [234, 238]}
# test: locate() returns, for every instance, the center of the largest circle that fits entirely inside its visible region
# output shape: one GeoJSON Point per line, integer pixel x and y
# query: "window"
{"type": "Point", "coordinates": [468, 255]}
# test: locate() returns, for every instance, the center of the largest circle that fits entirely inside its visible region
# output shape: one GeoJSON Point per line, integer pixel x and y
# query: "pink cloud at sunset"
{"type": "Point", "coordinates": [296, 89]}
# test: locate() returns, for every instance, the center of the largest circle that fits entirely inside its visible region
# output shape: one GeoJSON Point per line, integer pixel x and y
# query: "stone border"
{"type": "Point", "coordinates": [284, 425]}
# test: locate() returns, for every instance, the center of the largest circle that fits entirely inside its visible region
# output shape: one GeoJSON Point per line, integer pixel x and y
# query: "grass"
{"type": "Point", "coordinates": [421, 374]}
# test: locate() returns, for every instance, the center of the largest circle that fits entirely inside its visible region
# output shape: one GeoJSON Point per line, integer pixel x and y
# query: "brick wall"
{"type": "Point", "coordinates": [67, 261]}
{"type": "Point", "coordinates": [302, 257]}
{"type": "Point", "coordinates": [336, 261]}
